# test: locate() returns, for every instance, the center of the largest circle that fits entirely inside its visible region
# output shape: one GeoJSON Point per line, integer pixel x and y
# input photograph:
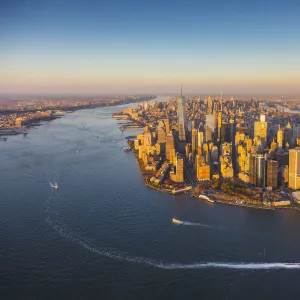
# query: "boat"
{"type": "Point", "coordinates": [176, 221]}
{"type": "Point", "coordinates": [55, 186]}
{"type": "Point", "coordinates": [126, 149]}
{"type": "Point", "coordinates": [3, 138]}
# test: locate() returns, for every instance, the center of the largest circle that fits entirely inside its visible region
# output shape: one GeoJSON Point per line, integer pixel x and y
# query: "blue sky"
{"type": "Point", "coordinates": [149, 46]}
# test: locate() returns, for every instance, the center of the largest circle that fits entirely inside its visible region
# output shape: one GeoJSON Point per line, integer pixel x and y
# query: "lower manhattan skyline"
{"type": "Point", "coordinates": [149, 149]}
{"type": "Point", "coordinates": [236, 47]}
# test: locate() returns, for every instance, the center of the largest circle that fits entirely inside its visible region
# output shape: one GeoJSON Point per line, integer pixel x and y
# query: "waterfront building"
{"type": "Point", "coordinates": [203, 172]}
{"type": "Point", "coordinates": [136, 144]}
{"type": "Point", "coordinates": [294, 168]}
{"type": "Point", "coordinates": [177, 175]}
{"type": "Point", "coordinates": [260, 165]}
{"type": "Point", "coordinates": [272, 173]}
{"type": "Point", "coordinates": [209, 127]}
{"type": "Point", "coordinates": [181, 114]}
{"type": "Point", "coordinates": [252, 169]}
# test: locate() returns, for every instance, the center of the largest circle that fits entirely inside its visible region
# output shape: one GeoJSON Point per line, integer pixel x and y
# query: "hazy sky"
{"type": "Point", "coordinates": [138, 46]}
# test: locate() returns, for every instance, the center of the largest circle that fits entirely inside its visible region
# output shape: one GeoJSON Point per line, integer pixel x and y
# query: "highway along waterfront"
{"type": "Point", "coordinates": [103, 234]}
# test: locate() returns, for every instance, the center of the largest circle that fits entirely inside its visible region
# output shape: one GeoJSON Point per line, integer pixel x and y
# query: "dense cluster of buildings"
{"type": "Point", "coordinates": [217, 138]}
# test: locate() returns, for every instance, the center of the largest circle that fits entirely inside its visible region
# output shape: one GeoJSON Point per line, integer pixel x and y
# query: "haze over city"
{"type": "Point", "coordinates": [67, 47]}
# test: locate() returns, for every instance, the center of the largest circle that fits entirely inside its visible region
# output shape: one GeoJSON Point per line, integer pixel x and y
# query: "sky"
{"type": "Point", "coordinates": [137, 46]}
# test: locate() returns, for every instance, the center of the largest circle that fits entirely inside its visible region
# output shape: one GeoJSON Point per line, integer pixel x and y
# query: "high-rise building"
{"type": "Point", "coordinates": [272, 173]}
{"type": "Point", "coordinates": [209, 105]}
{"type": "Point", "coordinates": [179, 170]}
{"type": "Point", "coordinates": [200, 139]}
{"type": "Point", "coordinates": [252, 170]}
{"type": "Point", "coordinates": [169, 144]}
{"type": "Point", "coordinates": [181, 114]}
{"type": "Point", "coordinates": [219, 123]}
{"type": "Point", "coordinates": [280, 138]}
{"type": "Point", "coordinates": [260, 129]}
{"type": "Point", "coordinates": [226, 133]}
{"type": "Point", "coordinates": [147, 139]}
{"type": "Point", "coordinates": [260, 165]}
{"type": "Point", "coordinates": [194, 143]}
{"type": "Point", "coordinates": [209, 127]}
{"type": "Point", "coordinates": [202, 169]}
{"type": "Point", "coordinates": [294, 168]}
{"type": "Point", "coordinates": [177, 175]}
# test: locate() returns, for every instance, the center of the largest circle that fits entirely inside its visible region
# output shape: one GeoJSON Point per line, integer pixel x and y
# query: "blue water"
{"type": "Point", "coordinates": [105, 235]}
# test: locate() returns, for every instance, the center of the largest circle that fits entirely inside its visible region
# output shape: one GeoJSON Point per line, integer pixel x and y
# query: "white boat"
{"type": "Point", "coordinates": [176, 221]}
{"type": "Point", "coordinates": [55, 186]}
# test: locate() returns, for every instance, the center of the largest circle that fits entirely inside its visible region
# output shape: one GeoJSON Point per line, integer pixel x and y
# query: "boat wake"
{"type": "Point", "coordinates": [65, 232]}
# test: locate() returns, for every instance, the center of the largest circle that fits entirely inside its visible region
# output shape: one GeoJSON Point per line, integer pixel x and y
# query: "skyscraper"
{"type": "Point", "coordinates": [169, 144]}
{"type": "Point", "coordinates": [272, 173]}
{"type": "Point", "coordinates": [260, 165]}
{"type": "Point", "coordinates": [209, 127]}
{"type": "Point", "coordinates": [280, 138]}
{"type": "Point", "coordinates": [181, 114]}
{"type": "Point", "coordinates": [260, 128]}
{"type": "Point", "coordinates": [194, 143]}
{"type": "Point", "coordinates": [294, 168]}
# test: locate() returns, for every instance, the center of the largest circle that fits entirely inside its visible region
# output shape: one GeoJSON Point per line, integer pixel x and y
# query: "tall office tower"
{"type": "Point", "coordinates": [200, 140]}
{"type": "Point", "coordinates": [219, 125]}
{"type": "Point", "coordinates": [147, 139]}
{"type": "Point", "coordinates": [209, 105]}
{"type": "Point", "coordinates": [272, 173]}
{"type": "Point", "coordinates": [177, 175]}
{"type": "Point", "coordinates": [294, 168]}
{"type": "Point", "coordinates": [202, 169]}
{"type": "Point", "coordinates": [260, 128]}
{"type": "Point", "coordinates": [167, 125]}
{"type": "Point", "coordinates": [209, 127]}
{"type": "Point", "coordinates": [226, 133]}
{"type": "Point", "coordinates": [179, 170]}
{"type": "Point", "coordinates": [260, 165]}
{"type": "Point", "coordinates": [252, 170]}
{"type": "Point", "coordinates": [181, 114]}
{"type": "Point", "coordinates": [188, 150]}
{"type": "Point", "coordinates": [280, 138]}
{"type": "Point", "coordinates": [169, 144]}
{"type": "Point", "coordinates": [161, 135]}
{"type": "Point", "coordinates": [193, 124]}
{"type": "Point", "coordinates": [233, 147]}
{"type": "Point", "coordinates": [194, 143]}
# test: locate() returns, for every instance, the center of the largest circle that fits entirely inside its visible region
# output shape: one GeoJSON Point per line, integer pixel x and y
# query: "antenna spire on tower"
{"type": "Point", "coordinates": [181, 90]}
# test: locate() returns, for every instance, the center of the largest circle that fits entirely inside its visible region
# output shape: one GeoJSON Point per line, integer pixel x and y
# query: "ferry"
{"type": "Point", "coordinates": [176, 221]}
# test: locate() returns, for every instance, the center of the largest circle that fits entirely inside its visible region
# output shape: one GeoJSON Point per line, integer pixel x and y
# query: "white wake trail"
{"type": "Point", "coordinates": [62, 229]}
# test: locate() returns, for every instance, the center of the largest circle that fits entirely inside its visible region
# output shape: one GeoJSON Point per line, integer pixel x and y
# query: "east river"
{"type": "Point", "coordinates": [105, 235]}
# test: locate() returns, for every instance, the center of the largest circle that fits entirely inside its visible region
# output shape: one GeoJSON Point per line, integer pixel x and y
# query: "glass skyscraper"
{"type": "Point", "coordinates": [181, 118]}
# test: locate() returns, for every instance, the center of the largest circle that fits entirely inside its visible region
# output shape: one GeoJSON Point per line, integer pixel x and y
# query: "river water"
{"type": "Point", "coordinates": [105, 235]}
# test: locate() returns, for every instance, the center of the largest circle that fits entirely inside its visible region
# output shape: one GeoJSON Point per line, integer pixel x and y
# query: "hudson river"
{"type": "Point", "coordinates": [105, 235]}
